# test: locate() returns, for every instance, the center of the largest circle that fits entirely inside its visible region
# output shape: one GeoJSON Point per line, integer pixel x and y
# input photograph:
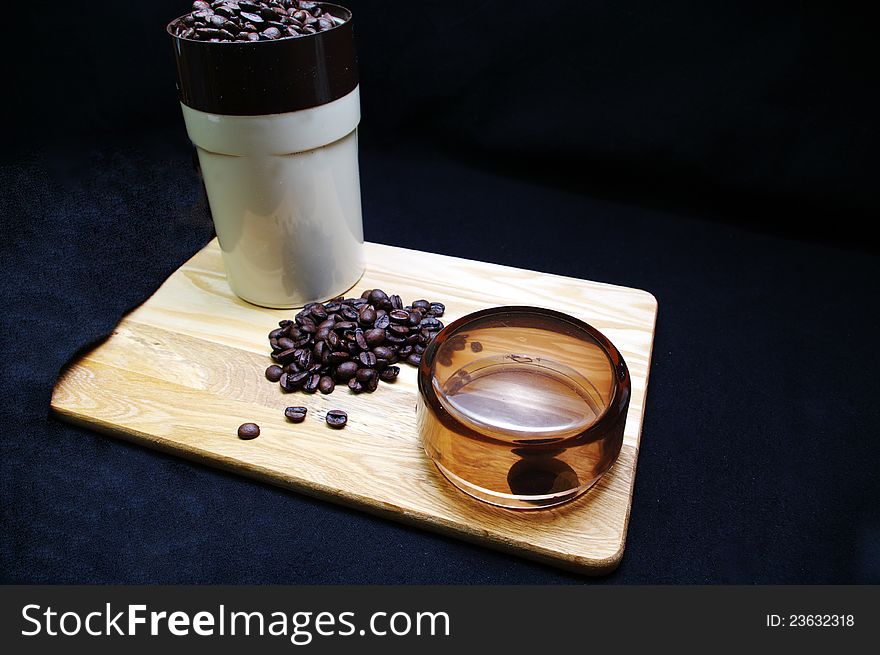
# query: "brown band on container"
{"type": "Point", "coordinates": [256, 78]}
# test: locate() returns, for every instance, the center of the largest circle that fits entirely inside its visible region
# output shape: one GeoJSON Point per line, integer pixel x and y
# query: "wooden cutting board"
{"type": "Point", "coordinates": [185, 369]}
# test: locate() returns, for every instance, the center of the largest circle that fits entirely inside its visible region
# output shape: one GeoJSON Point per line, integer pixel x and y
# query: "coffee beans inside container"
{"type": "Point", "coordinates": [234, 20]}
{"type": "Point", "coordinates": [355, 342]}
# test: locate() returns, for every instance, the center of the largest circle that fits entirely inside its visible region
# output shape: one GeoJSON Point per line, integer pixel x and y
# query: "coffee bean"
{"type": "Point", "coordinates": [367, 359]}
{"type": "Point", "coordinates": [337, 357]}
{"type": "Point", "coordinates": [355, 386]}
{"type": "Point", "coordinates": [438, 309]}
{"type": "Point", "coordinates": [277, 333]}
{"type": "Point", "coordinates": [399, 316]}
{"type": "Point", "coordinates": [248, 431]}
{"type": "Point", "coordinates": [396, 302]}
{"type": "Point", "coordinates": [274, 373]}
{"type": "Point", "coordinates": [325, 24]}
{"type": "Point", "coordinates": [206, 34]}
{"type": "Point", "coordinates": [293, 381]}
{"type": "Point", "coordinates": [399, 330]}
{"type": "Point", "coordinates": [296, 414]}
{"type": "Point", "coordinates": [346, 371]}
{"type": "Point", "coordinates": [226, 11]}
{"type": "Point", "coordinates": [361, 340]}
{"type": "Point", "coordinates": [405, 352]}
{"type": "Point", "coordinates": [389, 374]}
{"type": "Point", "coordinates": [286, 343]}
{"type": "Point", "coordinates": [367, 316]}
{"type": "Point", "coordinates": [423, 304]}
{"type": "Point", "coordinates": [378, 298]}
{"type": "Point", "coordinates": [383, 352]}
{"type": "Point", "coordinates": [383, 322]}
{"type": "Point", "coordinates": [326, 385]}
{"type": "Point", "coordinates": [431, 323]}
{"type": "Point", "coordinates": [476, 347]}
{"type": "Point", "coordinates": [198, 5]}
{"type": "Point", "coordinates": [344, 326]}
{"type": "Point", "coordinates": [284, 356]}
{"type": "Point", "coordinates": [374, 336]}
{"type": "Point", "coordinates": [304, 358]}
{"type": "Point", "coordinates": [249, 6]}
{"type": "Point", "coordinates": [252, 18]}
{"type": "Point", "coordinates": [311, 385]}
{"type": "Point", "coordinates": [365, 374]}
{"type": "Point", "coordinates": [415, 359]}
{"type": "Point", "coordinates": [348, 313]}
{"type": "Point", "coordinates": [393, 338]}
{"type": "Point", "coordinates": [336, 418]}
{"type": "Point", "coordinates": [319, 312]}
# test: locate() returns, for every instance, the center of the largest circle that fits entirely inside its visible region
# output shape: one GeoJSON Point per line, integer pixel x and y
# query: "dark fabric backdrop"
{"type": "Point", "coordinates": [721, 157]}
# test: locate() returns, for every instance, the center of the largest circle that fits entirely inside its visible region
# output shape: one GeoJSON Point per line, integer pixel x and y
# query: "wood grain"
{"type": "Point", "coordinates": [185, 369]}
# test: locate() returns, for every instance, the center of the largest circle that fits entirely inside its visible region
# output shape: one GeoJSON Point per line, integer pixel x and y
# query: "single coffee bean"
{"type": "Point", "coordinates": [277, 333]}
{"type": "Point", "coordinates": [431, 323]}
{"type": "Point", "coordinates": [415, 359]}
{"type": "Point", "coordinates": [337, 357]}
{"type": "Point", "coordinates": [438, 309]}
{"type": "Point", "coordinates": [399, 316]}
{"type": "Point", "coordinates": [296, 414]}
{"type": "Point", "coordinates": [405, 352]}
{"type": "Point", "coordinates": [419, 348]}
{"type": "Point", "coordinates": [396, 302]}
{"type": "Point", "coordinates": [374, 336]}
{"type": "Point", "coordinates": [389, 374]}
{"type": "Point", "coordinates": [346, 371]}
{"type": "Point", "coordinates": [476, 347]}
{"type": "Point", "coordinates": [360, 340]}
{"type": "Point", "coordinates": [367, 359]}
{"type": "Point", "coordinates": [216, 21]}
{"type": "Point", "coordinates": [355, 386]}
{"type": "Point", "coordinates": [249, 6]}
{"type": "Point", "coordinates": [251, 17]}
{"type": "Point", "coordinates": [319, 312]}
{"type": "Point", "coordinates": [365, 374]}
{"type": "Point", "coordinates": [311, 385]}
{"type": "Point", "coordinates": [326, 385]}
{"type": "Point", "coordinates": [325, 24]}
{"type": "Point", "coordinates": [200, 5]}
{"type": "Point", "coordinates": [284, 356]}
{"type": "Point", "coordinates": [383, 352]}
{"type": "Point", "coordinates": [378, 298]}
{"type": "Point", "coordinates": [344, 326]}
{"type": "Point", "coordinates": [413, 318]}
{"type": "Point", "coordinates": [336, 418]}
{"type": "Point", "coordinates": [383, 322]}
{"type": "Point", "coordinates": [348, 313]}
{"type": "Point", "coordinates": [372, 384]}
{"type": "Point", "coordinates": [248, 431]}
{"type": "Point", "coordinates": [292, 381]}
{"type": "Point", "coordinates": [274, 373]}
{"type": "Point", "coordinates": [394, 339]}
{"type": "Point", "coordinates": [286, 343]}
{"type": "Point", "coordinates": [399, 330]}
{"type": "Point", "coordinates": [334, 341]}
{"type": "Point", "coordinates": [367, 316]}
{"type": "Point", "coordinates": [206, 33]}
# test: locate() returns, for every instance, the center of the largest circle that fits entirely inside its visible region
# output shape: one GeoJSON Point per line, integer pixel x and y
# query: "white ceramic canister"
{"type": "Point", "coordinates": [275, 127]}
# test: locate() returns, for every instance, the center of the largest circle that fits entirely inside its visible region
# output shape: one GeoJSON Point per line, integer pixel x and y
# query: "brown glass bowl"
{"type": "Point", "coordinates": [522, 407]}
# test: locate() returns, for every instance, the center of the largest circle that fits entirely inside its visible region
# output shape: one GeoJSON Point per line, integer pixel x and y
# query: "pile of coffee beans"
{"type": "Point", "coordinates": [241, 20]}
{"type": "Point", "coordinates": [351, 341]}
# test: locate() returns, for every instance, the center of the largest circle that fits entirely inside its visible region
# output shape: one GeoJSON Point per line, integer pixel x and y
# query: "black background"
{"type": "Point", "coordinates": [721, 157]}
